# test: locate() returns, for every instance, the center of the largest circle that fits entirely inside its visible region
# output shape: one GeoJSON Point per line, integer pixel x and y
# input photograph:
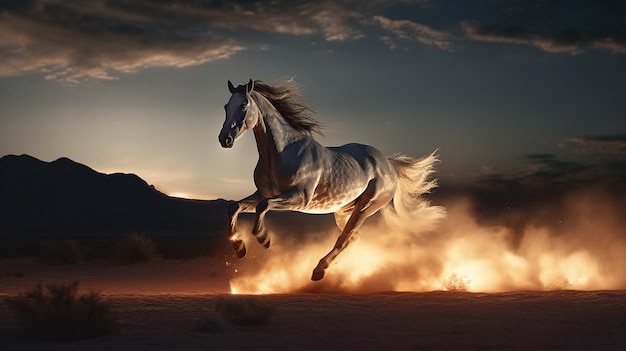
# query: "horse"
{"type": "Point", "coordinates": [296, 173]}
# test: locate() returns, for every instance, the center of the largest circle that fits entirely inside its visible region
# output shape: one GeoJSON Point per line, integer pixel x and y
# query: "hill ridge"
{"type": "Point", "coordinates": [36, 195]}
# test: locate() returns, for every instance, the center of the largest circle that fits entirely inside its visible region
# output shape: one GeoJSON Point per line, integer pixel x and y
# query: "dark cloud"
{"type": "Point", "coordinates": [412, 31]}
{"type": "Point", "coordinates": [77, 41]}
{"type": "Point", "coordinates": [74, 41]}
{"type": "Point", "coordinates": [540, 157]}
{"type": "Point", "coordinates": [608, 144]}
{"type": "Point", "coordinates": [555, 26]}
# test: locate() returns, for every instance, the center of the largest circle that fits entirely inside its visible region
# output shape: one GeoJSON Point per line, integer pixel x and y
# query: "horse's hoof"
{"type": "Point", "coordinates": [263, 239]}
{"type": "Point", "coordinates": [241, 253]}
{"type": "Point", "coordinates": [318, 274]}
{"type": "Point", "coordinates": [240, 248]}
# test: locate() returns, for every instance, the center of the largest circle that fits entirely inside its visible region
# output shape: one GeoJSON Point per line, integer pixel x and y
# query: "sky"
{"type": "Point", "coordinates": [505, 90]}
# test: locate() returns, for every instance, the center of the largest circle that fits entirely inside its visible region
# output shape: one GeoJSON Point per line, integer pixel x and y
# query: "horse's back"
{"type": "Point", "coordinates": [369, 158]}
{"type": "Point", "coordinates": [349, 171]}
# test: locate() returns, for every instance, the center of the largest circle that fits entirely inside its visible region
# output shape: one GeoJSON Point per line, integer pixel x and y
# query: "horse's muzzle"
{"type": "Point", "coordinates": [226, 142]}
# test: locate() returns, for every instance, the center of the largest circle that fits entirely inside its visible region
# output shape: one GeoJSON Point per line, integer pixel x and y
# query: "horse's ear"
{"type": "Point", "coordinates": [249, 86]}
{"type": "Point", "coordinates": [231, 88]}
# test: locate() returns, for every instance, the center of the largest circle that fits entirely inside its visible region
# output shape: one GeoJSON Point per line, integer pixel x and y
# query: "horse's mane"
{"type": "Point", "coordinates": [286, 97]}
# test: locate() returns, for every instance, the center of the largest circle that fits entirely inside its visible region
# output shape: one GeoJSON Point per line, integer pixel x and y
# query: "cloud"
{"type": "Point", "coordinates": [412, 31]}
{"type": "Point", "coordinates": [75, 42]}
{"type": "Point", "coordinates": [336, 21]}
{"type": "Point", "coordinates": [608, 144]}
{"type": "Point", "coordinates": [555, 26]}
{"type": "Point", "coordinates": [572, 43]}
{"type": "Point", "coordinates": [92, 41]}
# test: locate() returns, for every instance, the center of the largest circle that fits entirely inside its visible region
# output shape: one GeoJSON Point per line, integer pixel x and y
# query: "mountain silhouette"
{"type": "Point", "coordinates": [64, 195]}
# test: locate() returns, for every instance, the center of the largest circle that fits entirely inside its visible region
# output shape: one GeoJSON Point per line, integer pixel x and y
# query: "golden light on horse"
{"type": "Point", "coordinates": [296, 173]}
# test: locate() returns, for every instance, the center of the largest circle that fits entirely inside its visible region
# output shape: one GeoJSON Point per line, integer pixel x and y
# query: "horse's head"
{"type": "Point", "coordinates": [242, 114]}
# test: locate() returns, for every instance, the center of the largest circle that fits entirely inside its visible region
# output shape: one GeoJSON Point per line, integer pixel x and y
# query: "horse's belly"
{"type": "Point", "coordinates": [330, 202]}
{"type": "Point", "coordinates": [321, 209]}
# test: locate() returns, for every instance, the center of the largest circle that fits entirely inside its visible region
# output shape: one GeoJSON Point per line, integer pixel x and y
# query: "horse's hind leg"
{"type": "Point", "coordinates": [234, 209]}
{"type": "Point", "coordinates": [356, 219]}
{"type": "Point", "coordinates": [366, 205]}
{"type": "Point", "coordinates": [341, 219]}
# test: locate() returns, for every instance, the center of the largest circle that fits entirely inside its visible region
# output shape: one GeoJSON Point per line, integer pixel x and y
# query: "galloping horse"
{"type": "Point", "coordinates": [294, 172]}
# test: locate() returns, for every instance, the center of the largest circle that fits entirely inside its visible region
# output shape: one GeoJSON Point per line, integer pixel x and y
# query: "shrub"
{"type": "Point", "coordinates": [58, 313]}
{"type": "Point", "coordinates": [64, 252]}
{"type": "Point", "coordinates": [558, 283]}
{"type": "Point", "coordinates": [244, 310]}
{"type": "Point", "coordinates": [456, 283]}
{"type": "Point", "coordinates": [135, 248]}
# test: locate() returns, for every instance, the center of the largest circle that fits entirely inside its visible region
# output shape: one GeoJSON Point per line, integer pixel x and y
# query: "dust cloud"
{"type": "Point", "coordinates": [582, 249]}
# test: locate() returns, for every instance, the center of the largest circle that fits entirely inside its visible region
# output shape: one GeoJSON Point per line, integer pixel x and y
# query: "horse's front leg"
{"type": "Point", "coordinates": [291, 200]}
{"type": "Point", "coordinates": [234, 209]}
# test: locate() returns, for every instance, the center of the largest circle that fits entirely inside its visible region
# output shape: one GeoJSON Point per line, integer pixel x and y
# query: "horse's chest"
{"type": "Point", "coordinates": [272, 183]}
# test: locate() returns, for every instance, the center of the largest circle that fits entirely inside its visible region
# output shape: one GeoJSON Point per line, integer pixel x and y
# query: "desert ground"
{"type": "Point", "coordinates": [158, 304]}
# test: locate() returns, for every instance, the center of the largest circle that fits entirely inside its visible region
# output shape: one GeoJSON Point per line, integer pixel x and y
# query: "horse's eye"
{"type": "Point", "coordinates": [245, 107]}
{"type": "Point", "coordinates": [233, 125]}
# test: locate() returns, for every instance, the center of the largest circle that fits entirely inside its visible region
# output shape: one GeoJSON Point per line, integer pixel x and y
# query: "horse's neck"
{"type": "Point", "coordinates": [272, 133]}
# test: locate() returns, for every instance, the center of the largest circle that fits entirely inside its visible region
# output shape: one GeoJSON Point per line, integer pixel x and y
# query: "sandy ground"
{"type": "Point", "coordinates": [158, 303]}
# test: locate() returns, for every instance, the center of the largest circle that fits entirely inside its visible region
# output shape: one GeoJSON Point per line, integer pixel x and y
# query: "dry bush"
{"type": "Point", "coordinates": [456, 282]}
{"type": "Point", "coordinates": [244, 310]}
{"type": "Point", "coordinates": [65, 252]}
{"type": "Point", "coordinates": [58, 313]}
{"type": "Point", "coordinates": [135, 248]}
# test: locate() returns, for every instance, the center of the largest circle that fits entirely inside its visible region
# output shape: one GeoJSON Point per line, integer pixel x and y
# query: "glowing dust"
{"type": "Point", "coordinates": [459, 255]}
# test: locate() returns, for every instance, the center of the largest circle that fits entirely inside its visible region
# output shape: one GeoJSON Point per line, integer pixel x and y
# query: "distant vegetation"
{"type": "Point", "coordinates": [60, 249]}
{"type": "Point", "coordinates": [67, 251]}
{"type": "Point", "coordinates": [455, 282]}
{"type": "Point", "coordinates": [135, 248]}
{"type": "Point", "coordinates": [59, 313]}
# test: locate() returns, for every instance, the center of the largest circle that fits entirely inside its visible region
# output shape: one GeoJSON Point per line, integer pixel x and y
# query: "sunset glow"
{"type": "Point", "coordinates": [179, 195]}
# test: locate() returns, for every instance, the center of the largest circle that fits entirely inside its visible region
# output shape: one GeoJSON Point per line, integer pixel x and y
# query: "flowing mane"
{"type": "Point", "coordinates": [286, 97]}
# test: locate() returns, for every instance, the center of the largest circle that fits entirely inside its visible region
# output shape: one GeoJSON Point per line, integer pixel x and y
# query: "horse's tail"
{"type": "Point", "coordinates": [408, 208]}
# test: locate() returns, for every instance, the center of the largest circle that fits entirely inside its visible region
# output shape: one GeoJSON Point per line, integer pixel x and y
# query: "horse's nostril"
{"type": "Point", "coordinates": [229, 140]}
